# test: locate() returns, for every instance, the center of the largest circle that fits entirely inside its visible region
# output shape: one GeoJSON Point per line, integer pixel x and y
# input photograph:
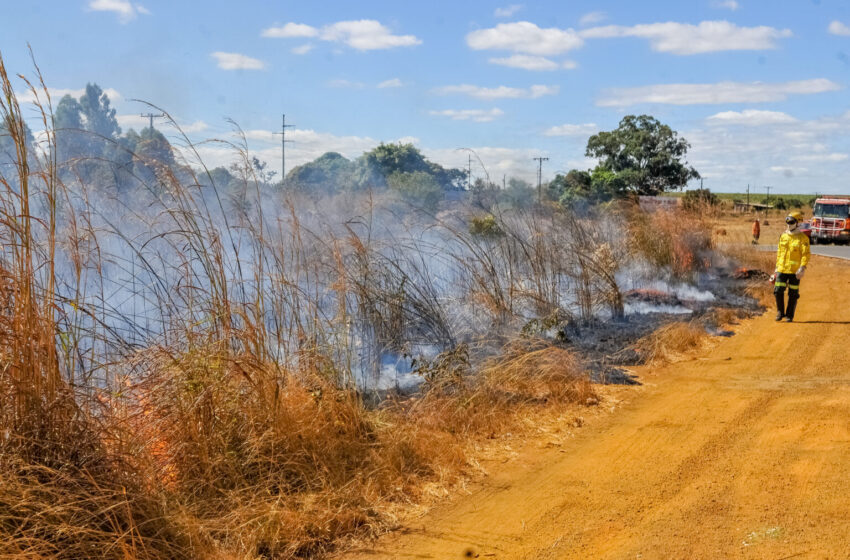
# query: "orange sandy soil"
{"type": "Point", "coordinates": [742, 451]}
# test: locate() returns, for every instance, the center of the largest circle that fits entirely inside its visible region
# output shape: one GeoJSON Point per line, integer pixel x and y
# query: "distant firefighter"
{"type": "Point", "coordinates": [756, 231]}
{"type": "Point", "coordinates": [792, 256]}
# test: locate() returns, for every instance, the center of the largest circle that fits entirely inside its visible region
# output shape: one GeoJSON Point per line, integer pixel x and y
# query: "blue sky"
{"type": "Point", "coordinates": [759, 88]}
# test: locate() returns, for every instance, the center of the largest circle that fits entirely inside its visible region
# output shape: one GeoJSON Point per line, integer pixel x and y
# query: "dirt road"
{"type": "Point", "coordinates": [742, 452]}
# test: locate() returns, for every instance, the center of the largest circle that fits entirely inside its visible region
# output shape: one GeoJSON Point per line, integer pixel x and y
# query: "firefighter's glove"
{"type": "Point", "coordinates": [772, 278]}
{"type": "Point", "coordinates": [799, 274]}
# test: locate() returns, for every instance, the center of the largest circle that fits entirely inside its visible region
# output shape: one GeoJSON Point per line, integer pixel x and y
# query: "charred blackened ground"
{"type": "Point", "coordinates": [608, 347]}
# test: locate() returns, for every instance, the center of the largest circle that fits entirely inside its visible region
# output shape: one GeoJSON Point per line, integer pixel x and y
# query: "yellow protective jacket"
{"type": "Point", "coordinates": [793, 252]}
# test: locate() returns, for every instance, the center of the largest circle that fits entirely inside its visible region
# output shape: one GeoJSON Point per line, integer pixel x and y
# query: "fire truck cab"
{"type": "Point", "coordinates": [831, 220]}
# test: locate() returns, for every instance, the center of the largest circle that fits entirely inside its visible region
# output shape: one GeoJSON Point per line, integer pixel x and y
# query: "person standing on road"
{"type": "Point", "coordinates": [756, 231]}
{"type": "Point", "coordinates": [792, 256]}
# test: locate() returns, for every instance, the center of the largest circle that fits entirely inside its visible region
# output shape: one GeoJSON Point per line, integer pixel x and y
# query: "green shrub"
{"type": "Point", "coordinates": [485, 226]}
{"type": "Point", "coordinates": [698, 199]}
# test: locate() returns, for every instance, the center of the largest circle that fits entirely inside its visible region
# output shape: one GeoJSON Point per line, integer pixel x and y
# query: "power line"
{"type": "Point", "coordinates": [283, 141]}
{"type": "Point", "coordinates": [151, 116]}
{"type": "Point", "coordinates": [540, 161]}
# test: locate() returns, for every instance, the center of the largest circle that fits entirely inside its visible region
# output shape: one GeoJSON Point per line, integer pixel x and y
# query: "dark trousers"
{"type": "Point", "coordinates": [791, 282]}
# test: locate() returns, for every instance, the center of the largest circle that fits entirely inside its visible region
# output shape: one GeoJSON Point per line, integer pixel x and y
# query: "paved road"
{"type": "Point", "coordinates": [836, 251]}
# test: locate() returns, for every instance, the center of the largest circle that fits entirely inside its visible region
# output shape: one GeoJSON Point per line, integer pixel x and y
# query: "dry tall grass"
{"type": "Point", "coordinates": [680, 240]}
{"type": "Point", "coordinates": [236, 414]}
{"type": "Point", "coordinates": [671, 343]}
{"type": "Point", "coordinates": [225, 420]}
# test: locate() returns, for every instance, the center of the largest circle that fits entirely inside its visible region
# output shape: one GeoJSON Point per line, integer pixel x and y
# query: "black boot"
{"type": "Point", "coordinates": [780, 304]}
{"type": "Point", "coordinates": [792, 305]}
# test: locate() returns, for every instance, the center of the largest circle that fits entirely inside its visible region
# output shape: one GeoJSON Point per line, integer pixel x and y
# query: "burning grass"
{"type": "Point", "coordinates": [755, 266]}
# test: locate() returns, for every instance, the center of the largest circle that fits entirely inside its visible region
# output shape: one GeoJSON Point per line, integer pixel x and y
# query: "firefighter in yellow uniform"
{"type": "Point", "coordinates": [792, 256]}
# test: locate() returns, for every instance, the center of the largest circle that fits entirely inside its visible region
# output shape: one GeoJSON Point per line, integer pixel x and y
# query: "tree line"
{"type": "Point", "coordinates": [641, 156]}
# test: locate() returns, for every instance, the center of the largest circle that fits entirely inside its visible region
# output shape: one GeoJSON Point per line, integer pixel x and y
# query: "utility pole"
{"type": "Point", "coordinates": [540, 161]}
{"type": "Point", "coordinates": [283, 141]}
{"type": "Point", "coordinates": [469, 174]}
{"type": "Point", "coordinates": [748, 197]}
{"type": "Point", "coordinates": [504, 178]}
{"type": "Point", "coordinates": [767, 201]}
{"type": "Point", "coordinates": [151, 116]}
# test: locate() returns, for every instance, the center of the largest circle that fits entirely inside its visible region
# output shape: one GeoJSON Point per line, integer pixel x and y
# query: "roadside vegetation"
{"type": "Point", "coordinates": [201, 363]}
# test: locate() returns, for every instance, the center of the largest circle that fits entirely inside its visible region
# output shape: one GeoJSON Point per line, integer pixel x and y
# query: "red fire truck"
{"type": "Point", "coordinates": [831, 220]}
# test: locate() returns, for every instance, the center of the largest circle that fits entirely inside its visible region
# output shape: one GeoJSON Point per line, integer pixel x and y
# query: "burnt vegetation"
{"type": "Point", "coordinates": [209, 363]}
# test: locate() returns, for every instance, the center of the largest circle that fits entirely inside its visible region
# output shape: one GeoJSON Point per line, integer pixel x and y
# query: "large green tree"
{"type": "Point", "coordinates": [71, 140]}
{"type": "Point", "coordinates": [99, 115]}
{"type": "Point", "coordinates": [387, 159]}
{"type": "Point", "coordinates": [330, 172]}
{"type": "Point", "coordinates": [645, 154]}
{"type": "Point", "coordinates": [87, 130]}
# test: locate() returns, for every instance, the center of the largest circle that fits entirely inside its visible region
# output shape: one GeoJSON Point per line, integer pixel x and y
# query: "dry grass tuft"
{"type": "Point", "coordinates": [671, 343]}
{"type": "Point", "coordinates": [71, 513]}
{"type": "Point", "coordinates": [537, 371]}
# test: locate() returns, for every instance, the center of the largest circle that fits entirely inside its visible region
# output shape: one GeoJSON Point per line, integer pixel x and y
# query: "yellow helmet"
{"type": "Point", "coordinates": [797, 215]}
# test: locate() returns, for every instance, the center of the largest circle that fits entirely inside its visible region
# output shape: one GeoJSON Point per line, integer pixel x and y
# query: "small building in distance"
{"type": "Point", "coordinates": [653, 203]}
{"type": "Point", "coordinates": [751, 207]}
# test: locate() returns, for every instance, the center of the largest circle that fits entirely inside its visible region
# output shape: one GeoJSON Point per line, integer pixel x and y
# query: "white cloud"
{"type": "Point", "coordinates": [303, 49]}
{"type": "Point", "coordinates": [477, 115]}
{"type": "Point", "coordinates": [722, 92]}
{"type": "Point", "coordinates": [392, 83]}
{"type": "Point", "coordinates": [310, 144]}
{"type": "Point", "coordinates": [139, 122]}
{"type": "Point", "coordinates": [831, 157]}
{"type": "Point", "coordinates": [58, 93]}
{"type": "Point", "coordinates": [366, 35]}
{"type": "Point", "coordinates": [507, 11]}
{"type": "Point", "coordinates": [839, 28]}
{"type": "Point", "coordinates": [572, 130]}
{"type": "Point", "coordinates": [535, 63]}
{"type": "Point", "coordinates": [307, 145]}
{"type": "Point", "coordinates": [289, 30]}
{"type": "Point", "coordinates": [362, 35]}
{"type": "Point", "coordinates": [236, 61]}
{"type": "Point", "coordinates": [790, 156]}
{"type": "Point", "coordinates": [501, 92]}
{"type": "Point", "coordinates": [342, 83]}
{"type": "Point", "coordinates": [526, 62]}
{"type": "Point", "coordinates": [688, 39]}
{"type": "Point", "coordinates": [592, 17]}
{"type": "Point", "coordinates": [498, 161]}
{"type": "Point", "coordinates": [526, 38]}
{"type": "Point", "coordinates": [751, 117]}
{"type": "Point", "coordinates": [194, 127]}
{"type": "Point", "coordinates": [788, 171]}
{"type": "Point", "coordinates": [125, 10]}
{"type": "Point", "coordinates": [727, 4]}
